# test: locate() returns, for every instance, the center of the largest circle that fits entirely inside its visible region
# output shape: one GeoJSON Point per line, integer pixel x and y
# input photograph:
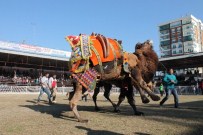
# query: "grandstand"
{"type": "Point", "coordinates": [27, 62]}
{"type": "Point", "coordinates": [189, 65]}
{"type": "Point", "coordinates": [188, 70]}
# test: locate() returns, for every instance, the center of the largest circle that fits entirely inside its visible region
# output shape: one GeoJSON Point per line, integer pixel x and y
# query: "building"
{"type": "Point", "coordinates": [181, 36]}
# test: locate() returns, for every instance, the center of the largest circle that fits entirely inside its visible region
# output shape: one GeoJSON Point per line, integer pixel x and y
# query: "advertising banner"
{"type": "Point", "coordinates": [34, 50]}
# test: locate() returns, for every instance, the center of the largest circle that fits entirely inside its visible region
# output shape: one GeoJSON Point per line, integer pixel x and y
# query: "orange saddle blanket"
{"type": "Point", "coordinates": [114, 51]}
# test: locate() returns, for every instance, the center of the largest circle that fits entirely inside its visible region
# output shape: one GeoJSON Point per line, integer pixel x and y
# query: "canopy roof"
{"type": "Point", "coordinates": [34, 51]}
{"type": "Point", "coordinates": [180, 62]}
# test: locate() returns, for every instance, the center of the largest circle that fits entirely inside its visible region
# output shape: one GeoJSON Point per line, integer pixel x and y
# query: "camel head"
{"type": "Point", "coordinates": [144, 46]}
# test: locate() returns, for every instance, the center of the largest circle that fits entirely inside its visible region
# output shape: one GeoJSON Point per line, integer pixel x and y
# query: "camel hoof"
{"type": "Point", "coordinates": [155, 98]}
{"type": "Point", "coordinates": [145, 100]}
{"type": "Point", "coordinates": [83, 121]}
{"type": "Point", "coordinates": [139, 113]}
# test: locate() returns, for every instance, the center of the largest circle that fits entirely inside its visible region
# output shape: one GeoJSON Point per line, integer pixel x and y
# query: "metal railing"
{"type": "Point", "coordinates": [29, 89]}
{"type": "Point", "coordinates": [182, 90]}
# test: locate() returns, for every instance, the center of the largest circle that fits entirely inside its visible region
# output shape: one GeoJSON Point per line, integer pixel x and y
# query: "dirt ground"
{"type": "Point", "coordinates": [19, 115]}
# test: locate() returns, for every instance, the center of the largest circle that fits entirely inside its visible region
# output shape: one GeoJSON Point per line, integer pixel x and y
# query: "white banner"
{"type": "Point", "coordinates": [34, 49]}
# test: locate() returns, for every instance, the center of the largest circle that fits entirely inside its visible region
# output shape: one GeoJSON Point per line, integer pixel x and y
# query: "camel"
{"type": "Point", "coordinates": [114, 75]}
{"type": "Point", "coordinates": [146, 70]}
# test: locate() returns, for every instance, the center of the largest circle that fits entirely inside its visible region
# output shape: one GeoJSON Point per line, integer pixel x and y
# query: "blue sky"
{"type": "Point", "coordinates": [47, 22]}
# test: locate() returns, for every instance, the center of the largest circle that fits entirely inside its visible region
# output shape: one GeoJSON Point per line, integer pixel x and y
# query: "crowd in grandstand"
{"type": "Point", "coordinates": [25, 77]}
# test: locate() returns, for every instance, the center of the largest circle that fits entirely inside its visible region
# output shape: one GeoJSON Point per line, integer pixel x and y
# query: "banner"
{"type": "Point", "coordinates": [34, 49]}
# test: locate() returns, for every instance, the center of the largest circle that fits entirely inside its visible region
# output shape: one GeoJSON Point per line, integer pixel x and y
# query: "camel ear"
{"type": "Point", "coordinates": [138, 45]}
{"type": "Point", "coordinates": [151, 42]}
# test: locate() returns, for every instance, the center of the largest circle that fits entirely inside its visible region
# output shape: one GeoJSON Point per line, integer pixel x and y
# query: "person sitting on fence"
{"type": "Point", "coordinates": [44, 88]}
{"type": "Point", "coordinates": [53, 87]}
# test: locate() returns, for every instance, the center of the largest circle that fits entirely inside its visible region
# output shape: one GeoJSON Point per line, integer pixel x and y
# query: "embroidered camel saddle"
{"type": "Point", "coordinates": [96, 49]}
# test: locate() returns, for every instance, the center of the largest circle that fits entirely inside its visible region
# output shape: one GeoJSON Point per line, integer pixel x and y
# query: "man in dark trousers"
{"type": "Point", "coordinates": [169, 81]}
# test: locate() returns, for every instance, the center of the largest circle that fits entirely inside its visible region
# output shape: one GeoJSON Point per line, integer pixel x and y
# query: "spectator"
{"type": "Point", "coordinates": [53, 87]}
{"type": "Point", "coordinates": [197, 87]}
{"type": "Point", "coordinates": [36, 81]}
{"type": "Point", "coordinates": [85, 93]}
{"type": "Point", "coordinates": [161, 89]}
{"type": "Point", "coordinates": [194, 89]}
{"type": "Point", "coordinates": [201, 86]}
{"type": "Point", "coordinates": [170, 80]}
{"type": "Point", "coordinates": [44, 88]}
{"type": "Point", "coordinates": [26, 80]}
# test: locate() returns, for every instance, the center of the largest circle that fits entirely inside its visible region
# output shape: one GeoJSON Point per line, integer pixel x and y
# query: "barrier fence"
{"type": "Point", "coordinates": [182, 90]}
{"type": "Point", "coordinates": [30, 89]}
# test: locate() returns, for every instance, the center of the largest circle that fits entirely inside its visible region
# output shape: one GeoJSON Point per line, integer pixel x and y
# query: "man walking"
{"type": "Point", "coordinates": [170, 80]}
{"type": "Point", "coordinates": [44, 88]}
{"type": "Point", "coordinates": [53, 87]}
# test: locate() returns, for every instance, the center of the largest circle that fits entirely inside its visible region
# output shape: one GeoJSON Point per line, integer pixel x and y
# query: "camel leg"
{"type": "Point", "coordinates": [71, 94]}
{"type": "Point", "coordinates": [107, 88]}
{"type": "Point", "coordinates": [94, 97]}
{"type": "Point", "coordinates": [142, 94]}
{"type": "Point", "coordinates": [144, 98]}
{"type": "Point", "coordinates": [74, 101]}
{"type": "Point", "coordinates": [148, 90]}
{"type": "Point", "coordinates": [153, 96]}
{"type": "Point", "coordinates": [120, 100]}
{"type": "Point", "coordinates": [131, 101]}
{"type": "Point", "coordinates": [138, 80]}
{"type": "Point", "coordinates": [135, 76]}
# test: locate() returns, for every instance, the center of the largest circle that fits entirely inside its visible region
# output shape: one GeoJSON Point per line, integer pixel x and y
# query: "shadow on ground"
{"type": "Point", "coordinates": [97, 132]}
{"type": "Point", "coordinates": [56, 110]}
{"type": "Point", "coordinates": [189, 111]}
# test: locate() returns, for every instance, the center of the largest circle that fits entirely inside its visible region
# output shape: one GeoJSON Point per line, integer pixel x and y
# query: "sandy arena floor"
{"type": "Point", "coordinates": [19, 115]}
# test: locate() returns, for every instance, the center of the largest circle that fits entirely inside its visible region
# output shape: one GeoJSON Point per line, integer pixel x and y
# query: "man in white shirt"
{"type": "Point", "coordinates": [44, 88]}
{"type": "Point", "coordinates": [53, 87]}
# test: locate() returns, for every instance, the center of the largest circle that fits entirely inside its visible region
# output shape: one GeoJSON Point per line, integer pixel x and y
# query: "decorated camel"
{"type": "Point", "coordinates": [147, 66]}
{"type": "Point", "coordinates": [97, 58]}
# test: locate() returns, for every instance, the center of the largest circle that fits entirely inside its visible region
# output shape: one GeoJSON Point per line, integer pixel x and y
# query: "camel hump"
{"type": "Point", "coordinates": [104, 43]}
